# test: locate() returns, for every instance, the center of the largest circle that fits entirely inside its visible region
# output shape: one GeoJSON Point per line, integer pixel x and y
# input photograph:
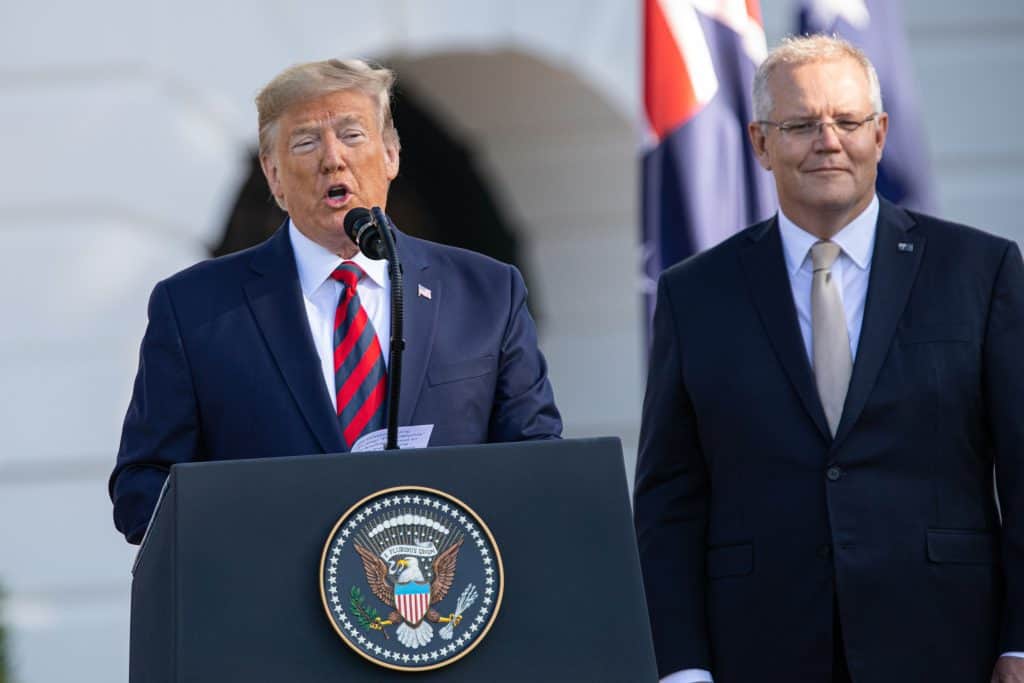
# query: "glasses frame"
{"type": "Point", "coordinates": [788, 127]}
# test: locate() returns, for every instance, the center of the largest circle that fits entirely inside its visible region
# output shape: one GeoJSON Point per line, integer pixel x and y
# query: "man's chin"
{"type": "Point", "coordinates": [831, 195]}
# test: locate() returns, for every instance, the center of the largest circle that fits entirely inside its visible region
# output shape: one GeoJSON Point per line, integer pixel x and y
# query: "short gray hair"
{"type": "Point", "coordinates": [310, 80]}
{"type": "Point", "coordinates": [795, 50]}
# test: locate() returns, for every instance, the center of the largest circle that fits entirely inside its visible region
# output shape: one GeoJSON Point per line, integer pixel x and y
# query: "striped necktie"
{"type": "Point", "coordinates": [360, 378]}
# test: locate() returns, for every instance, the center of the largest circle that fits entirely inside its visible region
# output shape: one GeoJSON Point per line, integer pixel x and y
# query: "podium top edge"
{"type": "Point", "coordinates": [601, 443]}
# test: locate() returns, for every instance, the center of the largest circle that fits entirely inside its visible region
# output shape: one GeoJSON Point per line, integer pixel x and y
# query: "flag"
{"type": "Point", "coordinates": [701, 181]}
{"type": "Point", "coordinates": [876, 27]}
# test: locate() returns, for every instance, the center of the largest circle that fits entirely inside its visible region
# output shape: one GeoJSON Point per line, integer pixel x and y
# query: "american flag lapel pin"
{"type": "Point", "coordinates": [423, 291]}
{"type": "Point", "coordinates": [905, 246]}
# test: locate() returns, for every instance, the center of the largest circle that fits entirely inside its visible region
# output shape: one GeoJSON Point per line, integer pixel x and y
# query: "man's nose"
{"type": "Point", "coordinates": [334, 154]}
{"type": "Point", "coordinates": [828, 138]}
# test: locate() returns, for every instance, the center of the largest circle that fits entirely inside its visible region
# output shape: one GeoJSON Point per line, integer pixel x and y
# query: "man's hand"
{"type": "Point", "coordinates": [1008, 670]}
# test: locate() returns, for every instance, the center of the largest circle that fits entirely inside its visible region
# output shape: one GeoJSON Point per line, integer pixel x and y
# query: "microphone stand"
{"type": "Point", "coordinates": [397, 316]}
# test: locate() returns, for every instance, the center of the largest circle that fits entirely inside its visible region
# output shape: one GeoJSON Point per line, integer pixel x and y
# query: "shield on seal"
{"type": "Point", "coordinates": [412, 601]}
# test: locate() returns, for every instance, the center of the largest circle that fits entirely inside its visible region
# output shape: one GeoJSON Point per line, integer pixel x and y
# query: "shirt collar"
{"type": "Point", "coordinates": [856, 239]}
{"type": "Point", "coordinates": [315, 263]}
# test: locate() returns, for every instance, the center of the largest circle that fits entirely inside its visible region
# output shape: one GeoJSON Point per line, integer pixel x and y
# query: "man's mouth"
{"type": "Point", "coordinates": [337, 195]}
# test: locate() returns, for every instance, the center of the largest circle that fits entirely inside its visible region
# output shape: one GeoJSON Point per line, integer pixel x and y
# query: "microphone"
{"type": "Point", "coordinates": [362, 229]}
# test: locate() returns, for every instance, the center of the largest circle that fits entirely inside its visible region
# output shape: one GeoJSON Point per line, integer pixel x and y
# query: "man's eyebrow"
{"type": "Point", "coordinates": [304, 130]}
{"type": "Point", "coordinates": [314, 128]}
{"type": "Point", "coordinates": [347, 120]}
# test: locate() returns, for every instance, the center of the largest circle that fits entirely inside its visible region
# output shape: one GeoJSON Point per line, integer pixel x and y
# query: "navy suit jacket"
{"type": "Point", "coordinates": [753, 521]}
{"type": "Point", "coordinates": [228, 368]}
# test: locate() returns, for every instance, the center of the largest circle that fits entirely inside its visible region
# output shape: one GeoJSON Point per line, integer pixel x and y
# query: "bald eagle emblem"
{"type": "Point", "coordinates": [402, 584]}
{"type": "Point", "coordinates": [411, 578]}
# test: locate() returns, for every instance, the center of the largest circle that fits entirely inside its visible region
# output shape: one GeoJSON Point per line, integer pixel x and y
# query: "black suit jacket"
{"type": "Point", "coordinates": [228, 368]}
{"type": "Point", "coordinates": [752, 519]}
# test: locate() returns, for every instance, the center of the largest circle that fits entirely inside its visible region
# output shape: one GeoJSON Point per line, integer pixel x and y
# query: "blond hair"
{"type": "Point", "coordinates": [310, 80]}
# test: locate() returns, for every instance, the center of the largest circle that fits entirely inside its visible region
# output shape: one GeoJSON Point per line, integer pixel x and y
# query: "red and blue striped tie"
{"type": "Point", "coordinates": [360, 378]}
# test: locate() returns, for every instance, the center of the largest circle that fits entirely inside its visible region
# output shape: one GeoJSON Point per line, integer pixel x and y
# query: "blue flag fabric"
{"type": "Point", "coordinates": [876, 27]}
{"type": "Point", "coordinates": [701, 181]}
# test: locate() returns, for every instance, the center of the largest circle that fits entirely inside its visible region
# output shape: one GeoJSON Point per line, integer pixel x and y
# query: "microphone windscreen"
{"type": "Point", "coordinates": [355, 219]}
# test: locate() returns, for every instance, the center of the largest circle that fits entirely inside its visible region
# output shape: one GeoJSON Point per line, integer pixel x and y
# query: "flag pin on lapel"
{"type": "Point", "coordinates": [905, 246]}
{"type": "Point", "coordinates": [422, 291]}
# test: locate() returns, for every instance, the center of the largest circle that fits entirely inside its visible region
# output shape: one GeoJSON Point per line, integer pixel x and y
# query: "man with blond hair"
{"type": "Point", "coordinates": [834, 396]}
{"type": "Point", "coordinates": [282, 349]}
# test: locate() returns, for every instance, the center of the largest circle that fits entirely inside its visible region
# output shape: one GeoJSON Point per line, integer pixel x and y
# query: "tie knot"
{"type": "Point", "coordinates": [824, 254]}
{"type": "Point", "coordinates": [348, 274]}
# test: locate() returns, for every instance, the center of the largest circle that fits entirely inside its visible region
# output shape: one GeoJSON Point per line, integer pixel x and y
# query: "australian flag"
{"type": "Point", "coordinates": [701, 182]}
{"type": "Point", "coordinates": [876, 27]}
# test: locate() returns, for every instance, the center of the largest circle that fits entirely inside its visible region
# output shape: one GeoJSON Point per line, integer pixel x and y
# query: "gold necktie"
{"type": "Point", "coordinates": [833, 363]}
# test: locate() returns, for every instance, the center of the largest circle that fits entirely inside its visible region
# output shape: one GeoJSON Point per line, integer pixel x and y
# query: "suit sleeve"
{"type": "Point", "coordinates": [524, 403]}
{"type": "Point", "coordinates": [1004, 394]}
{"type": "Point", "coordinates": [161, 426]}
{"type": "Point", "coordinates": [671, 504]}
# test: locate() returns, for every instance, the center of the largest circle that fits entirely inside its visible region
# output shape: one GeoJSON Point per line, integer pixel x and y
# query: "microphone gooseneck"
{"type": "Point", "coordinates": [397, 320]}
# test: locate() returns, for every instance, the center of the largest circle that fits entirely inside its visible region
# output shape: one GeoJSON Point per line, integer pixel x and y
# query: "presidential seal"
{"type": "Point", "coordinates": [411, 578]}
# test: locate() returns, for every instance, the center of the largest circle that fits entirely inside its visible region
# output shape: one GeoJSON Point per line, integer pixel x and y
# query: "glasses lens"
{"type": "Point", "coordinates": [808, 129]}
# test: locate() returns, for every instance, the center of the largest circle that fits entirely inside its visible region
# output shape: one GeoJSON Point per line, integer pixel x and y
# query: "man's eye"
{"type": "Point", "coordinates": [800, 127]}
{"type": "Point", "coordinates": [848, 125]}
{"type": "Point", "coordinates": [352, 136]}
{"type": "Point", "coordinates": [302, 145]}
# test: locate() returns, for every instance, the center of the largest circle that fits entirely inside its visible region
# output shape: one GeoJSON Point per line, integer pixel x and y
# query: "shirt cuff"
{"type": "Point", "coordinates": [688, 676]}
{"type": "Point", "coordinates": [1005, 654]}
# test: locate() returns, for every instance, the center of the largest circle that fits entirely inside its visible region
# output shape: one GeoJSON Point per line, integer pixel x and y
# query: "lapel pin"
{"type": "Point", "coordinates": [905, 246]}
{"type": "Point", "coordinates": [422, 291]}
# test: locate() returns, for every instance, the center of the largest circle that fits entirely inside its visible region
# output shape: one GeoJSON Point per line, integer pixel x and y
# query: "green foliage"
{"type": "Point", "coordinates": [364, 615]}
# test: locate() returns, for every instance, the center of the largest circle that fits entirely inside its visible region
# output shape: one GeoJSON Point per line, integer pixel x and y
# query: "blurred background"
{"type": "Point", "coordinates": [129, 133]}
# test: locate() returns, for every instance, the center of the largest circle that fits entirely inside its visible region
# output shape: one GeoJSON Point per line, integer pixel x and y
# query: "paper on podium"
{"type": "Point", "coordinates": [414, 436]}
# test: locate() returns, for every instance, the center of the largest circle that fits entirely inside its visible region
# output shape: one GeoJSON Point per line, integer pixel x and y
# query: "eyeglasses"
{"type": "Point", "coordinates": [806, 130]}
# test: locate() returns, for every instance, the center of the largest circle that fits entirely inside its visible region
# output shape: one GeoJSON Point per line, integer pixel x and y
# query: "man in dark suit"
{"type": "Point", "coordinates": [833, 396]}
{"type": "Point", "coordinates": [280, 349]}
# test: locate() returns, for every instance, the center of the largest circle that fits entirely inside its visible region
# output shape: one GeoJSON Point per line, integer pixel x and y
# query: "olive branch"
{"type": "Point", "coordinates": [366, 616]}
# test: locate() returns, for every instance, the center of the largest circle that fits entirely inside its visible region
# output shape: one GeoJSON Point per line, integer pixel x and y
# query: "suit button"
{"type": "Point", "coordinates": [825, 551]}
{"type": "Point", "coordinates": [833, 473]}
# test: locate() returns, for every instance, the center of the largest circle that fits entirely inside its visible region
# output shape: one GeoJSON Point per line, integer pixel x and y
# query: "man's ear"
{"type": "Point", "coordinates": [759, 141]}
{"type": "Point", "coordinates": [391, 160]}
{"type": "Point", "coordinates": [269, 166]}
{"type": "Point", "coordinates": [881, 132]}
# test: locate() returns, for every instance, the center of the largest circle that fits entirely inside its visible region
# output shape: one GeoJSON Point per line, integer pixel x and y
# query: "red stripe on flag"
{"type": "Point", "coordinates": [669, 97]}
{"type": "Point", "coordinates": [754, 11]}
{"type": "Point", "coordinates": [366, 411]}
{"type": "Point", "coordinates": [351, 337]}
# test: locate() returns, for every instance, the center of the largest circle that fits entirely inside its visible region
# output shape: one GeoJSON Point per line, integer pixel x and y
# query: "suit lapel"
{"type": "Point", "coordinates": [764, 265]}
{"type": "Point", "coordinates": [894, 264]}
{"type": "Point", "coordinates": [275, 298]}
{"type": "Point", "coordinates": [420, 320]}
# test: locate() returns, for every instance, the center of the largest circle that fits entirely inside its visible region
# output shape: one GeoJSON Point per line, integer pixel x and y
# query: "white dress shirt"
{"type": "Point", "coordinates": [852, 270]}
{"type": "Point", "coordinates": [320, 294]}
